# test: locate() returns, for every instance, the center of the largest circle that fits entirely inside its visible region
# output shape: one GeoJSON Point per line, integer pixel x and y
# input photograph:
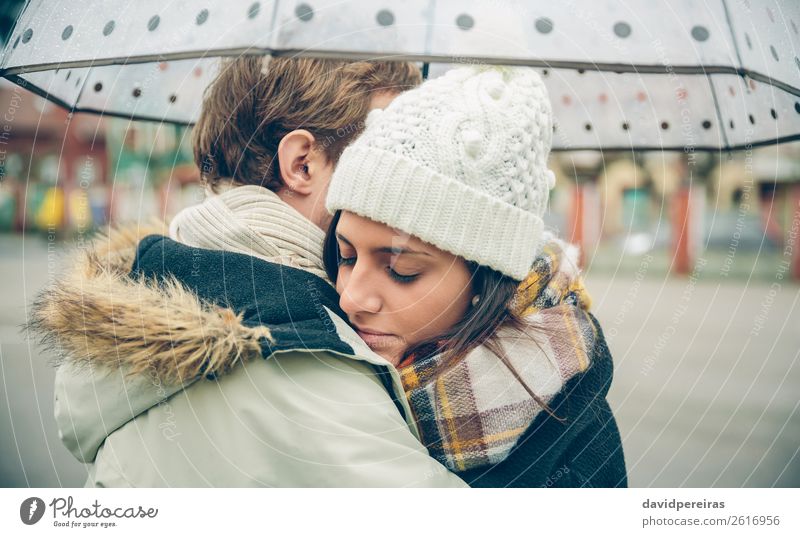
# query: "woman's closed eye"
{"type": "Point", "coordinates": [399, 277]}
{"type": "Point", "coordinates": [397, 274]}
{"type": "Point", "coordinates": [345, 261]}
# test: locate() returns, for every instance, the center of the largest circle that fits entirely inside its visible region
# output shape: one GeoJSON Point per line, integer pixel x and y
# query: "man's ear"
{"type": "Point", "coordinates": [295, 157]}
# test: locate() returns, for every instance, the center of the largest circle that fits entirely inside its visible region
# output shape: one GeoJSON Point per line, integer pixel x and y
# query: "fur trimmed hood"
{"type": "Point", "coordinates": [101, 314]}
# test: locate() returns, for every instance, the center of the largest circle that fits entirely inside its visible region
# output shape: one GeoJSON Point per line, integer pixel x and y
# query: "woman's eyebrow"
{"type": "Point", "coordinates": [385, 249]}
{"type": "Point", "coordinates": [398, 251]}
{"type": "Point", "coordinates": [343, 239]}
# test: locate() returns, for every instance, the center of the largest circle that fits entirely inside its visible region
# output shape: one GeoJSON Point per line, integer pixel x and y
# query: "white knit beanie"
{"type": "Point", "coordinates": [459, 162]}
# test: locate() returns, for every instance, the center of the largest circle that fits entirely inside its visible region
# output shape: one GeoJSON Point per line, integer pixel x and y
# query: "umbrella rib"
{"type": "Point", "coordinates": [720, 120]}
{"type": "Point", "coordinates": [733, 34]}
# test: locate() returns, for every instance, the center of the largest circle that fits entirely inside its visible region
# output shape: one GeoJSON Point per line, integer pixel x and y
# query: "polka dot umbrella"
{"type": "Point", "coordinates": [642, 74]}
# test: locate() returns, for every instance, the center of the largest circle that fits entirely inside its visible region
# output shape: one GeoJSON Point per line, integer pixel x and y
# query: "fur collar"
{"type": "Point", "coordinates": [96, 314]}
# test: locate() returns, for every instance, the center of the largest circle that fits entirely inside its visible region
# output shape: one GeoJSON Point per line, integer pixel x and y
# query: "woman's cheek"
{"type": "Point", "coordinates": [451, 301]}
{"type": "Point", "coordinates": [424, 311]}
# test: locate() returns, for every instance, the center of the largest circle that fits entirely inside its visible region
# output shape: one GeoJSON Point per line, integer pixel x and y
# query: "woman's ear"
{"type": "Point", "coordinates": [295, 156]}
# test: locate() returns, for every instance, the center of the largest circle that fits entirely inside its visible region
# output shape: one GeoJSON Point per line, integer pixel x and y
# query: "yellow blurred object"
{"type": "Point", "coordinates": [50, 214]}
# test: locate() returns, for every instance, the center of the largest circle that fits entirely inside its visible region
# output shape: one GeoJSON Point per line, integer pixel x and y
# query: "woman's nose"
{"type": "Point", "coordinates": [359, 295]}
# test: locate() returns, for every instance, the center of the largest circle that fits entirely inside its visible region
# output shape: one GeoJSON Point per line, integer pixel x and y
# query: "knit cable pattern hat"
{"type": "Point", "coordinates": [459, 162]}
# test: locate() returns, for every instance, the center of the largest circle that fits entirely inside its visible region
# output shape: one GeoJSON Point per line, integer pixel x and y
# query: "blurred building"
{"type": "Point", "coordinates": [63, 173]}
{"type": "Point", "coordinates": [680, 206]}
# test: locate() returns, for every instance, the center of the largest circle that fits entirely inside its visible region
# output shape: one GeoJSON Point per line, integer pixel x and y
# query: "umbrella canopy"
{"type": "Point", "coordinates": [641, 74]}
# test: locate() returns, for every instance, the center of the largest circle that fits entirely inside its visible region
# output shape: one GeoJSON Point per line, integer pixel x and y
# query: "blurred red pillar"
{"type": "Point", "coordinates": [794, 233]}
{"type": "Point", "coordinates": [687, 227]}
{"type": "Point", "coordinates": [575, 231]}
{"type": "Point", "coordinates": [583, 224]}
{"type": "Point", "coordinates": [681, 253]}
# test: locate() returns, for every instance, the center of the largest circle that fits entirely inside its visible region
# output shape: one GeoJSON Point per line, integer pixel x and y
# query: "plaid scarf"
{"type": "Point", "coordinates": [472, 413]}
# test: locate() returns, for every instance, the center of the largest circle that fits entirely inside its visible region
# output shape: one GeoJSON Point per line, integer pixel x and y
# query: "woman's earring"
{"type": "Point", "coordinates": [475, 300]}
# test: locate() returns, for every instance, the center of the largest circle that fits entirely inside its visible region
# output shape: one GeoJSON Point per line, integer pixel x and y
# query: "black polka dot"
{"type": "Point", "coordinates": [66, 33]}
{"type": "Point", "coordinates": [69, 73]}
{"type": "Point", "coordinates": [304, 12]}
{"type": "Point", "coordinates": [465, 22]}
{"type": "Point", "coordinates": [545, 72]}
{"type": "Point", "coordinates": [27, 35]}
{"type": "Point", "coordinates": [137, 92]}
{"type": "Point", "coordinates": [16, 42]}
{"type": "Point", "coordinates": [173, 98]}
{"type": "Point", "coordinates": [700, 33]}
{"type": "Point", "coordinates": [622, 29]}
{"type": "Point", "coordinates": [752, 119]}
{"type": "Point", "coordinates": [202, 17]}
{"type": "Point", "coordinates": [625, 125]}
{"type": "Point", "coordinates": [153, 23]}
{"type": "Point", "coordinates": [774, 53]}
{"type": "Point", "coordinates": [773, 113]}
{"type": "Point", "coordinates": [731, 124]}
{"type": "Point", "coordinates": [797, 107]}
{"type": "Point", "coordinates": [544, 25]}
{"type": "Point", "coordinates": [385, 17]}
{"type": "Point", "coordinates": [587, 127]}
{"type": "Point", "coordinates": [108, 28]}
{"type": "Point", "coordinates": [98, 87]}
{"type": "Point", "coordinates": [664, 125]}
{"type": "Point", "coordinates": [253, 10]}
{"type": "Point", "coordinates": [706, 124]}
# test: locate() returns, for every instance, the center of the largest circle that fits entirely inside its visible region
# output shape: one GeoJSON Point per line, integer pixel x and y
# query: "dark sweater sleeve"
{"type": "Point", "coordinates": [582, 449]}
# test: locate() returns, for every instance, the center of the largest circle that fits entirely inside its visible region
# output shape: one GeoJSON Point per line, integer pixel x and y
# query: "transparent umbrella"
{"type": "Point", "coordinates": [639, 74]}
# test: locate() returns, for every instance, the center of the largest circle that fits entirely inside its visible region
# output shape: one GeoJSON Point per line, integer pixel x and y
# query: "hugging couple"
{"type": "Point", "coordinates": [366, 297]}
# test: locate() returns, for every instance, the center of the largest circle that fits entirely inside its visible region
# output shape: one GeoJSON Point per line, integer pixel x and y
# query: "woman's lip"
{"type": "Point", "coordinates": [372, 332]}
{"type": "Point", "coordinates": [377, 341]}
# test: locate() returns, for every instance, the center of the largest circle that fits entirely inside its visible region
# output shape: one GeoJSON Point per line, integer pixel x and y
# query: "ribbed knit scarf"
{"type": "Point", "coordinates": [252, 220]}
{"type": "Point", "coordinates": [472, 413]}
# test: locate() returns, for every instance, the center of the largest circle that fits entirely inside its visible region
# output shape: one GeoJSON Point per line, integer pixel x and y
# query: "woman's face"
{"type": "Point", "coordinates": [397, 290]}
